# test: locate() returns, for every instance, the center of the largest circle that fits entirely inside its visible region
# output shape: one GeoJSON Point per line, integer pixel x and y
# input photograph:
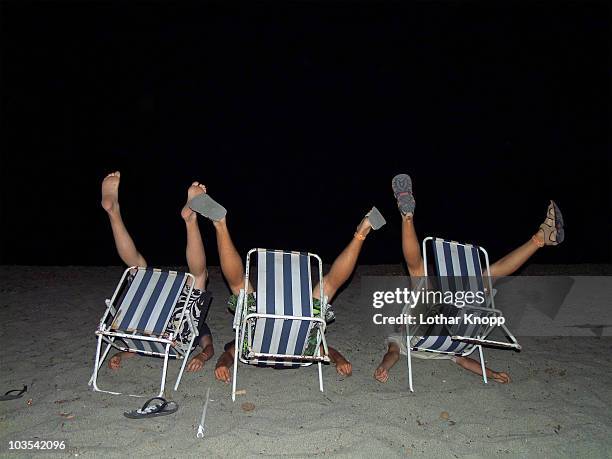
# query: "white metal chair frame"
{"type": "Point", "coordinates": [243, 320]}
{"type": "Point", "coordinates": [477, 341]}
{"type": "Point", "coordinates": [167, 339]}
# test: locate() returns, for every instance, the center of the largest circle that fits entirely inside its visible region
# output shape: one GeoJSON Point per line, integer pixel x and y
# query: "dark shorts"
{"type": "Point", "coordinates": [199, 304]}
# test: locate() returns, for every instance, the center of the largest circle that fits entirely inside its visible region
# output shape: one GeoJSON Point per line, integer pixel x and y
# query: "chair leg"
{"type": "Point", "coordinates": [235, 367]}
{"type": "Point", "coordinates": [482, 365]}
{"type": "Point", "coordinates": [164, 371]}
{"type": "Point", "coordinates": [93, 381]}
{"type": "Point", "coordinates": [320, 376]}
{"type": "Point", "coordinates": [409, 359]}
{"type": "Point", "coordinates": [185, 358]}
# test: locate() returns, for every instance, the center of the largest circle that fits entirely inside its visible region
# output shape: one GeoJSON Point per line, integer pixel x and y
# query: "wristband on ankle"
{"type": "Point", "coordinates": [537, 242]}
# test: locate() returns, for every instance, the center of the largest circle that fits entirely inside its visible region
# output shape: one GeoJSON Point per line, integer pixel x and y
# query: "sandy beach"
{"type": "Point", "coordinates": [558, 404]}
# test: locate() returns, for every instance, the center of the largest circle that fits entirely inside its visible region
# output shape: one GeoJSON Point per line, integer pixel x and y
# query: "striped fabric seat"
{"type": "Point", "coordinates": [281, 330]}
{"type": "Point", "coordinates": [458, 266]}
{"type": "Point", "coordinates": [437, 339]}
{"type": "Point", "coordinates": [284, 287]}
{"type": "Point", "coordinates": [436, 336]}
{"type": "Point", "coordinates": [149, 301]}
{"type": "Point", "coordinates": [146, 314]}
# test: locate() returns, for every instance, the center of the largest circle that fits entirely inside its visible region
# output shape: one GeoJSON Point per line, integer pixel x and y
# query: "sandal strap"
{"type": "Point", "coordinates": [549, 230]}
{"type": "Point", "coordinates": [155, 408]}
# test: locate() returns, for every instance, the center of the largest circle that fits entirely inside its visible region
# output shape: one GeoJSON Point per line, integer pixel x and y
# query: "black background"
{"type": "Point", "coordinates": [297, 115]}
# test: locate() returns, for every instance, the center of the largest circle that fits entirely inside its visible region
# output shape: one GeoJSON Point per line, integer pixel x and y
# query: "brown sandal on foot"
{"type": "Point", "coordinates": [552, 227]}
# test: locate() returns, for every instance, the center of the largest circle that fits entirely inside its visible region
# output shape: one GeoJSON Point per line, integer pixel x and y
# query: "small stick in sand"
{"type": "Point", "coordinates": [202, 426]}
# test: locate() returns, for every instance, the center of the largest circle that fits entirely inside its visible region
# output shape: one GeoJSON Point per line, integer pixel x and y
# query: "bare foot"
{"type": "Point", "coordinates": [115, 362]}
{"type": "Point", "coordinates": [222, 369]}
{"type": "Point", "coordinates": [110, 191]}
{"type": "Point", "coordinates": [501, 377]}
{"type": "Point", "coordinates": [194, 190]}
{"type": "Point", "coordinates": [196, 363]}
{"type": "Point", "coordinates": [381, 374]}
{"type": "Point", "coordinates": [343, 366]}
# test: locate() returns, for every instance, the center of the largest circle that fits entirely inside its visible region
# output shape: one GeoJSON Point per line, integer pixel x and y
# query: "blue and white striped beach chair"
{"type": "Point", "coordinates": [459, 268]}
{"type": "Point", "coordinates": [138, 319]}
{"type": "Point", "coordinates": [277, 332]}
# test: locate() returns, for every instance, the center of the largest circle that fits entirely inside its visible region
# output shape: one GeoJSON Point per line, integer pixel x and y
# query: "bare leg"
{"type": "Point", "coordinates": [341, 269]}
{"type": "Point", "coordinates": [514, 260]}
{"type": "Point", "coordinates": [123, 241]}
{"type": "Point", "coordinates": [402, 189]}
{"type": "Point", "coordinates": [196, 256]}
{"type": "Point", "coordinates": [344, 265]}
{"type": "Point", "coordinates": [474, 366]}
{"type": "Point", "coordinates": [231, 263]}
{"type": "Point", "coordinates": [196, 260]}
{"type": "Point", "coordinates": [381, 374]}
{"type": "Point", "coordinates": [411, 247]}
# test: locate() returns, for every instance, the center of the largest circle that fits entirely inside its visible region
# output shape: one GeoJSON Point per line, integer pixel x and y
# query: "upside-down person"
{"type": "Point", "coordinates": [550, 233]}
{"type": "Point", "coordinates": [196, 260]}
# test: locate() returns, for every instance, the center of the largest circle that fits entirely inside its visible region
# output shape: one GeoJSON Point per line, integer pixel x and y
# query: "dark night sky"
{"type": "Point", "coordinates": [297, 115]}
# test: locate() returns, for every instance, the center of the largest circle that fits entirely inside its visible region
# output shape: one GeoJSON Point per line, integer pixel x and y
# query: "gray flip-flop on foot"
{"type": "Point", "coordinates": [208, 207]}
{"type": "Point", "coordinates": [376, 219]}
{"type": "Point", "coordinates": [402, 189]}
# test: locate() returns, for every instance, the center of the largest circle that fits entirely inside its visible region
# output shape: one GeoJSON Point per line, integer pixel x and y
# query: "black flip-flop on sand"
{"type": "Point", "coordinates": [376, 219]}
{"type": "Point", "coordinates": [10, 396]}
{"type": "Point", "coordinates": [402, 189]}
{"type": "Point", "coordinates": [151, 411]}
{"type": "Point", "coordinates": [207, 207]}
